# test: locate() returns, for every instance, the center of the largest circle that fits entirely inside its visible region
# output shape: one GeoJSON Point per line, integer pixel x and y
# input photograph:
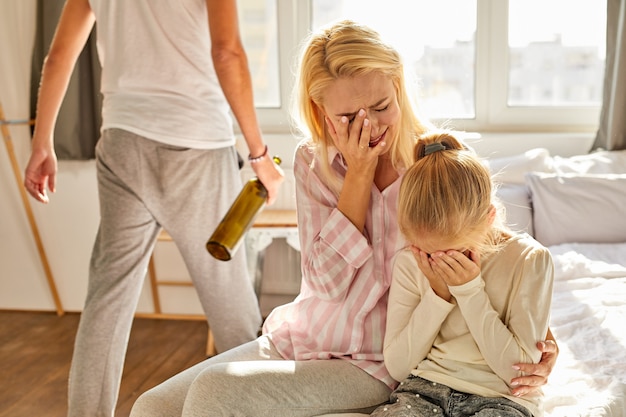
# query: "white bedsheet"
{"type": "Point", "coordinates": [589, 323]}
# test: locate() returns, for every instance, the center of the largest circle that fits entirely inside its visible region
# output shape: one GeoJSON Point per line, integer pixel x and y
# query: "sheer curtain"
{"type": "Point", "coordinates": [612, 130]}
{"type": "Point", "coordinates": [78, 125]}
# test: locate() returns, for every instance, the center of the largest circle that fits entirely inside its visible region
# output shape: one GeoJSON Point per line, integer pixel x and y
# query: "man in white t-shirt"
{"type": "Point", "coordinates": [171, 73]}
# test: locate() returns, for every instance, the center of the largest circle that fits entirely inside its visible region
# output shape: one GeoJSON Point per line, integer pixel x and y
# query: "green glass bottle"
{"type": "Point", "coordinates": [229, 233]}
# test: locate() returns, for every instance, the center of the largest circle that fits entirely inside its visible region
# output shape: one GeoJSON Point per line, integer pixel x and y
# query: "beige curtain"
{"type": "Point", "coordinates": [78, 125]}
{"type": "Point", "coordinates": [612, 130]}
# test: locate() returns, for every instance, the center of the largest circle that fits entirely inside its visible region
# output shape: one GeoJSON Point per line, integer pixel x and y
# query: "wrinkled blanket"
{"type": "Point", "coordinates": [588, 321]}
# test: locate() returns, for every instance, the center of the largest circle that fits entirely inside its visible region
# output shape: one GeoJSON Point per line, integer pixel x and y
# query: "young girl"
{"type": "Point", "coordinates": [468, 298]}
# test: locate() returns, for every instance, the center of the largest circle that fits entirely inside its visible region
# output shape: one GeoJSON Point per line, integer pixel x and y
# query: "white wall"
{"type": "Point", "coordinates": [69, 222]}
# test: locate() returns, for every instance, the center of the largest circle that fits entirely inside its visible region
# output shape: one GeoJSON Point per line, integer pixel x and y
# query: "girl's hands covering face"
{"type": "Point", "coordinates": [447, 268]}
{"type": "Point", "coordinates": [439, 286]}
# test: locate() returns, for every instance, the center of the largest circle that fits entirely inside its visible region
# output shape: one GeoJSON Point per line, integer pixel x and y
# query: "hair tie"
{"type": "Point", "coordinates": [434, 147]}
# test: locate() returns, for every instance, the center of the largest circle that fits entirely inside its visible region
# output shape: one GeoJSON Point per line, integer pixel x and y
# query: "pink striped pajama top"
{"type": "Point", "coordinates": [341, 309]}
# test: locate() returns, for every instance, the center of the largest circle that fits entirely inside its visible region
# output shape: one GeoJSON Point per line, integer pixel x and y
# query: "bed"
{"type": "Point", "coordinates": [576, 206]}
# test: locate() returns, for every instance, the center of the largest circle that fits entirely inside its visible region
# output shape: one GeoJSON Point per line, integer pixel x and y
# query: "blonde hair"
{"type": "Point", "coordinates": [348, 49]}
{"type": "Point", "coordinates": [449, 191]}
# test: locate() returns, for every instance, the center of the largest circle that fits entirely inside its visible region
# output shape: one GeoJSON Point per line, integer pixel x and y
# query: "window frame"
{"type": "Point", "coordinates": [492, 113]}
{"type": "Point", "coordinates": [492, 110]}
{"type": "Point", "coordinates": [293, 26]}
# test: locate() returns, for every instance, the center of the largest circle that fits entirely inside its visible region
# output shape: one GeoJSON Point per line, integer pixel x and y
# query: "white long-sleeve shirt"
{"type": "Point", "coordinates": [492, 322]}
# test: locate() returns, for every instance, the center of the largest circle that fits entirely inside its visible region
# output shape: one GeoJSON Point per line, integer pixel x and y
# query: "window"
{"type": "Point", "coordinates": [485, 65]}
{"type": "Point", "coordinates": [271, 31]}
{"type": "Point", "coordinates": [437, 46]}
{"type": "Point", "coordinates": [561, 61]}
{"type": "Point", "coordinates": [259, 30]}
{"type": "Point", "coordinates": [548, 69]}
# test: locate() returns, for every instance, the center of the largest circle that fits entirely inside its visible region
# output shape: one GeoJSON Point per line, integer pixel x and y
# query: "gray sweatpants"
{"type": "Point", "coordinates": [143, 186]}
{"type": "Point", "coordinates": [253, 380]}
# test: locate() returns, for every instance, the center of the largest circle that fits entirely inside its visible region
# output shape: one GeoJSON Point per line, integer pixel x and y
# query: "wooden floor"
{"type": "Point", "coordinates": [36, 349]}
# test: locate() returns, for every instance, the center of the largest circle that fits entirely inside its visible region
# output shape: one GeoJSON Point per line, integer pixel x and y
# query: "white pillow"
{"type": "Point", "coordinates": [508, 172]}
{"type": "Point", "coordinates": [603, 162]}
{"type": "Point", "coordinates": [511, 169]}
{"type": "Point", "coordinates": [578, 208]}
{"type": "Point", "coordinates": [516, 201]}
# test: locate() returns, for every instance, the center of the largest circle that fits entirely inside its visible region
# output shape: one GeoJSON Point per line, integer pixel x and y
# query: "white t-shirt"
{"type": "Point", "coordinates": [158, 78]}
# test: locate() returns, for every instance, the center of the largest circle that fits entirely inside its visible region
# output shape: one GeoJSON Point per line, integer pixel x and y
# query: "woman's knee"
{"type": "Point", "coordinates": [214, 392]}
{"type": "Point", "coordinates": [152, 404]}
{"type": "Point", "coordinates": [166, 399]}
